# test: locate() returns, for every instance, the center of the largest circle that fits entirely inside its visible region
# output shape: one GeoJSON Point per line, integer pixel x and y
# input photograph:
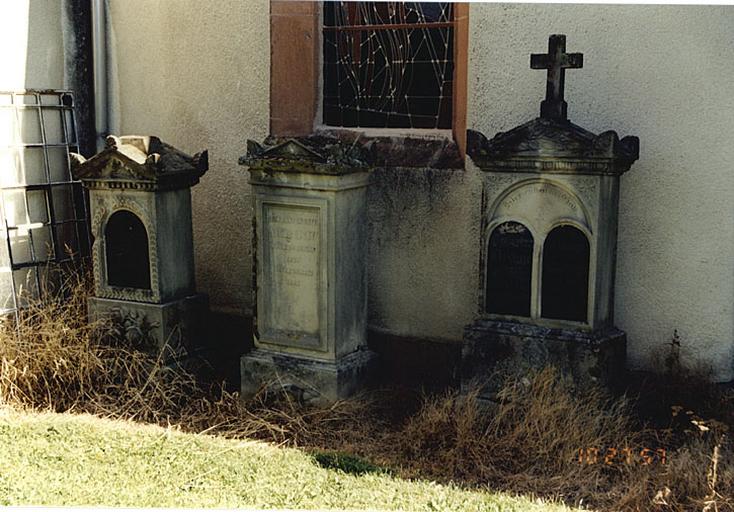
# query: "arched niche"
{"type": "Point", "coordinates": [509, 270]}
{"type": "Point", "coordinates": [565, 275]}
{"type": "Point", "coordinates": [126, 251]}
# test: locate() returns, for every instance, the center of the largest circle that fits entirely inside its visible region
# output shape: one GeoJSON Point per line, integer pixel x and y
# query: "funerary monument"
{"type": "Point", "coordinates": [548, 241]}
{"type": "Point", "coordinates": [140, 206]}
{"type": "Point", "coordinates": [310, 261]}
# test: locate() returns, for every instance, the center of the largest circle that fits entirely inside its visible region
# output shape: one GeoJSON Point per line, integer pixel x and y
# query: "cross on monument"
{"type": "Point", "coordinates": [556, 61]}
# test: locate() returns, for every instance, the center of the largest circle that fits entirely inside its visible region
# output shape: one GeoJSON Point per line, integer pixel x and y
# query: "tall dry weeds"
{"type": "Point", "coordinates": [529, 442]}
{"type": "Point", "coordinates": [51, 357]}
{"type": "Point", "coordinates": [549, 438]}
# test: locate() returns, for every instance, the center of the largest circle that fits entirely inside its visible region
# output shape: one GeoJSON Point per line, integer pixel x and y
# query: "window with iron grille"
{"type": "Point", "coordinates": [388, 64]}
{"type": "Point", "coordinates": [43, 213]}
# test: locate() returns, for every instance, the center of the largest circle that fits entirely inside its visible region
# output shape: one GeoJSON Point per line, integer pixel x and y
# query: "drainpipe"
{"type": "Point", "coordinates": [99, 60]}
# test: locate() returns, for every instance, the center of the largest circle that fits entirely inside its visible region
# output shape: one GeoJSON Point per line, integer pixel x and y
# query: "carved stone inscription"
{"type": "Point", "coordinates": [291, 235]}
{"type": "Point", "coordinates": [539, 192]}
{"type": "Point", "coordinates": [541, 204]}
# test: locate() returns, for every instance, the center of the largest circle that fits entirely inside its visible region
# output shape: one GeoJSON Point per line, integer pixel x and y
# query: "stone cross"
{"type": "Point", "coordinates": [556, 61]}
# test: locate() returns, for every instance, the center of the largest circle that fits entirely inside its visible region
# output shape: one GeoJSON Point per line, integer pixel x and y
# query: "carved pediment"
{"type": "Point", "coordinates": [550, 140]}
{"type": "Point", "coordinates": [140, 161]}
{"type": "Point", "coordinates": [293, 149]}
{"type": "Point", "coordinates": [317, 154]}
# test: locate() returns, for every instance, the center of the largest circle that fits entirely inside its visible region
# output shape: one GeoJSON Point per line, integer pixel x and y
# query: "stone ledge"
{"type": "Point", "coordinates": [313, 381]}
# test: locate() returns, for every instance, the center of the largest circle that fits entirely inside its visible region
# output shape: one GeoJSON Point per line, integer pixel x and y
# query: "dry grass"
{"type": "Point", "coordinates": [530, 440]}
{"type": "Point", "coordinates": [528, 443]}
{"type": "Point", "coordinates": [52, 358]}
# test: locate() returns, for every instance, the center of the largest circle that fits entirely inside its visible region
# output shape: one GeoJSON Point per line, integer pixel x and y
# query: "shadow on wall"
{"type": "Point", "coordinates": [424, 251]}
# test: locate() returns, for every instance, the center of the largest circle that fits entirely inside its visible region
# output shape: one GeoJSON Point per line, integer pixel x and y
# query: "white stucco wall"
{"type": "Point", "coordinates": [663, 73]}
{"type": "Point", "coordinates": [32, 41]}
{"type": "Point", "coordinates": [197, 75]}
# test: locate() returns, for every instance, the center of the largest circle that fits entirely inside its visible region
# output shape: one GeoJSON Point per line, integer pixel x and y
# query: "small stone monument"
{"type": "Point", "coordinates": [140, 205]}
{"type": "Point", "coordinates": [548, 241]}
{"type": "Point", "coordinates": [311, 274]}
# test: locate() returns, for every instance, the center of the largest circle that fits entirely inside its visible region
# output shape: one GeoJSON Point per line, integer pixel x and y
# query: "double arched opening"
{"type": "Point", "coordinates": [562, 262]}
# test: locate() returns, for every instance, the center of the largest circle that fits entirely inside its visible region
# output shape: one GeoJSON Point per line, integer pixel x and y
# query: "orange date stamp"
{"type": "Point", "coordinates": [612, 456]}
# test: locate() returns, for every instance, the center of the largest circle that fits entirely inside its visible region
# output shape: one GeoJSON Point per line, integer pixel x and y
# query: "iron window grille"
{"type": "Point", "coordinates": [388, 64]}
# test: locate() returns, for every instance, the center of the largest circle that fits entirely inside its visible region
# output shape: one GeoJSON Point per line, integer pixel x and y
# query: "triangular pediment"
{"type": "Point", "coordinates": [294, 149]}
{"type": "Point", "coordinates": [542, 138]}
{"type": "Point", "coordinates": [315, 154]}
{"type": "Point", "coordinates": [111, 164]}
{"type": "Point", "coordinates": [547, 139]}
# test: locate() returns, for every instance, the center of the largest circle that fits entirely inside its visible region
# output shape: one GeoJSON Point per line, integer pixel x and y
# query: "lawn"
{"type": "Point", "coordinates": [66, 459]}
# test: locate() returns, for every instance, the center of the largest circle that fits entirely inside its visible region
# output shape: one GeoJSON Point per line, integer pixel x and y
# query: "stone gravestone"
{"type": "Point", "coordinates": [548, 242]}
{"type": "Point", "coordinates": [140, 202]}
{"type": "Point", "coordinates": [310, 260]}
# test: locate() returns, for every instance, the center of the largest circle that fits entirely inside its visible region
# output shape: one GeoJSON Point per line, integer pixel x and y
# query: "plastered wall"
{"type": "Point", "coordinates": [423, 251]}
{"type": "Point", "coordinates": [663, 73]}
{"type": "Point", "coordinates": [197, 75]}
{"type": "Point", "coordinates": [32, 37]}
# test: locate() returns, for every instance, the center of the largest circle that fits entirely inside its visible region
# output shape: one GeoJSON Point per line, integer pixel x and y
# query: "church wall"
{"type": "Point", "coordinates": [662, 73]}
{"type": "Point", "coordinates": [33, 44]}
{"type": "Point", "coordinates": [424, 254]}
{"type": "Point", "coordinates": [196, 74]}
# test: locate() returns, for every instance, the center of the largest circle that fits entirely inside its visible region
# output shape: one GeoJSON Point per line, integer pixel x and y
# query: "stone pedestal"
{"type": "Point", "coordinates": [310, 379]}
{"type": "Point", "coordinates": [311, 238]}
{"type": "Point", "coordinates": [492, 348]}
{"type": "Point", "coordinates": [175, 325]}
{"type": "Point", "coordinates": [143, 251]}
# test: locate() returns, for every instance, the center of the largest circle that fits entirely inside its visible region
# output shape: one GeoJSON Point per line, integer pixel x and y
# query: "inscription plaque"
{"type": "Point", "coordinates": [310, 330]}
{"type": "Point", "coordinates": [291, 236]}
{"type": "Point", "coordinates": [539, 192]}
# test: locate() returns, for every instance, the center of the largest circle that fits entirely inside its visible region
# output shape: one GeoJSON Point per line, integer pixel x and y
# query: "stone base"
{"type": "Point", "coordinates": [313, 381]}
{"type": "Point", "coordinates": [175, 325]}
{"type": "Point", "coordinates": [491, 347]}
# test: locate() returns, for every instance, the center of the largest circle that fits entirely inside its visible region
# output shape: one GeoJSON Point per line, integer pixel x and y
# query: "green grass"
{"type": "Point", "coordinates": [64, 459]}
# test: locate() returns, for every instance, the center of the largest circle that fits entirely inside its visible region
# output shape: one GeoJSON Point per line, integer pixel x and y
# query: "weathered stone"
{"type": "Point", "coordinates": [140, 201]}
{"type": "Point", "coordinates": [310, 380]}
{"type": "Point", "coordinates": [494, 348]}
{"type": "Point", "coordinates": [554, 147]}
{"type": "Point", "coordinates": [311, 293]}
{"type": "Point", "coordinates": [140, 163]}
{"type": "Point", "coordinates": [175, 325]}
{"type": "Point", "coordinates": [556, 61]}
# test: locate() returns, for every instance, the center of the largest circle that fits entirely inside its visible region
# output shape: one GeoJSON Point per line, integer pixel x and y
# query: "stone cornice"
{"type": "Point", "coordinates": [139, 163]}
{"type": "Point", "coordinates": [310, 155]}
{"type": "Point", "coordinates": [553, 146]}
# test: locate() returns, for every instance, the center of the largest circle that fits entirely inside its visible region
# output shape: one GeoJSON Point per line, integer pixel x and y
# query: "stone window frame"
{"type": "Point", "coordinates": [296, 76]}
{"type": "Point", "coordinates": [488, 260]}
{"type": "Point", "coordinates": [542, 281]}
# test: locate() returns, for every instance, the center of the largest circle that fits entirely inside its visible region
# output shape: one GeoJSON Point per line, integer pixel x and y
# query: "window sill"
{"type": "Point", "coordinates": [403, 147]}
